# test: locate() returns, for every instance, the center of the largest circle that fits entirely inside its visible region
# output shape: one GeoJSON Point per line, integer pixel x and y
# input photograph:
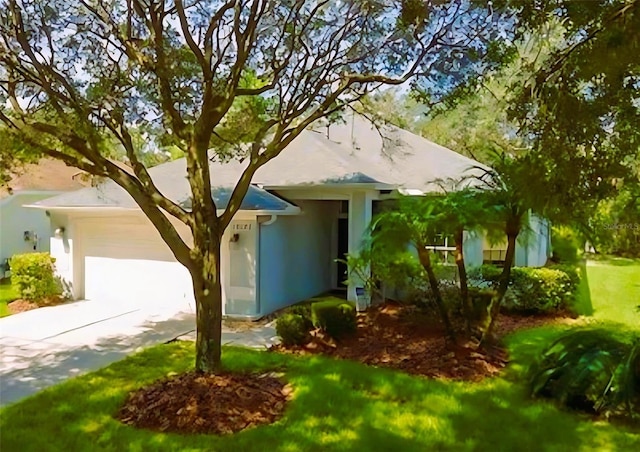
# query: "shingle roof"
{"type": "Point", "coordinates": [46, 175]}
{"type": "Point", "coordinates": [354, 152]}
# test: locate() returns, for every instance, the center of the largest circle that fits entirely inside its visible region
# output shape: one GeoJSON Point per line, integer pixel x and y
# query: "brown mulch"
{"type": "Point", "coordinates": [20, 305]}
{"type": "Point", "coordinates": [206, 403]}
{"type": "Point", "coordinates": [404, 338]}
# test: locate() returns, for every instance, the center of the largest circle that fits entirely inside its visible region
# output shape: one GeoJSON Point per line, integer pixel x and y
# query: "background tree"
{"type": "Point", "coordinates": [77, 77]}
{"type": "Point", "coordinates": [580, 106]}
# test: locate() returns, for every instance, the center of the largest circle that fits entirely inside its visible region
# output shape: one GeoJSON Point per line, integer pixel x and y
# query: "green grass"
{"type": "Point", "coordinates": [337, 405]}
{"type": "Point", "coordinates": [8, 293]}
{"type": "Point", "coordinates": [342, 405]}
{"type": "Point", "coordinates": [614, 285]}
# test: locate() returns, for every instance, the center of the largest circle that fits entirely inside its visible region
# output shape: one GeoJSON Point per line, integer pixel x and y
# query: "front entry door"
{"type": "Point", "coordinates": [343, 249]}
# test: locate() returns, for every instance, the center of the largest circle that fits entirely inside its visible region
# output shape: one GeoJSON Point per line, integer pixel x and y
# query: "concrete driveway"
{"type": "Point", "coordinates": [45, 346]}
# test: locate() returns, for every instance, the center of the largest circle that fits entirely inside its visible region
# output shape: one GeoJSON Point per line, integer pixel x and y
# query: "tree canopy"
{"type": "Point", "coordinates": [222, 79]}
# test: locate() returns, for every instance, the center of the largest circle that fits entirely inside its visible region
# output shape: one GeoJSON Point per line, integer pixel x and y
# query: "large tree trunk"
{"type": "Point", "coordinates": [494, 306]}
{"type": "Point", "coordinates": [425, 261]}
{"type": "Point", "coordinates": [207, 289]}
{"type": "Point", "coordinates": [467, 309]}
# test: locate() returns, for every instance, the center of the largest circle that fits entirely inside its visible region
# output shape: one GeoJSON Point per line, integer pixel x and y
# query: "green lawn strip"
{"type": "Point", "coordinates": [8, 293]}
{"type": "Point", "coordinates": [614, 285]}
{"type": "Point", "coordinates": [337, 405]}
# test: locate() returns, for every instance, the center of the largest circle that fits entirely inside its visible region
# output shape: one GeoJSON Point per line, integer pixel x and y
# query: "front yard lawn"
{"type": "Point", "coordinates": [614, 285]}
{"type": "Point", "coordinates": [337, 405]}
{"type": "Point", "coordinates": [344, 405]}
{"type": "Point", "coordinates": [8, 293]}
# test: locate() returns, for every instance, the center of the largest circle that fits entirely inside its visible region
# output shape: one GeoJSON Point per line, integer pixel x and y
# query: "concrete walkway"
{"type": "Point", "coordinates": [45, 346]}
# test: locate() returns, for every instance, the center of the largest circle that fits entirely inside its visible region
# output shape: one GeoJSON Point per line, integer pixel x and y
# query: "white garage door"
{"type": "Point", "coordinates": [130, 263]}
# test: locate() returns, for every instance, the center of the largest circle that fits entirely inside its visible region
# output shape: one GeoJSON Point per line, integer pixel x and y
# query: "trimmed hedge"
{"type": "Point", "coordinates": [539, 290]}
{"type": "Point", "coordinates": [292, 329]}
{"type": "Point", "coordinates": [532, 289]}
{"type": "Point", "coordinates": [335, 317]}
{"type": "Point", "coordinates": [572, 273]}
{"type": "Point", "coordinates": [33, 275]}
{"type": "Point", "coordinates": [304, 310]}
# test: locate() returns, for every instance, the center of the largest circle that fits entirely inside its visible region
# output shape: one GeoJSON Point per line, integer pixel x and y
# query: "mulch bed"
{"type": "Point", "coordinates": [404, 338]}
{"type": "Point", "coordinates": [20, 305]}
{"type": "Point", "coordinates": [206, 403]}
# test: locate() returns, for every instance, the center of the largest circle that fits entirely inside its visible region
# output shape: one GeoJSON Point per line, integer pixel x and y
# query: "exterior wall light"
{"type": "Point", "coordinates": [59, 232]}
{"type": "Point", "coordinates": [234, 238]}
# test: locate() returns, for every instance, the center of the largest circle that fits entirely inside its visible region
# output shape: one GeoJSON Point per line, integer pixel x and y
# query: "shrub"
{"type": "Point", "coordinates": [484, 276]}
{"type": "Point", "coordinates": [292, 329]}
{"type": "Point", "coordinates": [565, 244]}
{"type": "Point", "coordinates": [572, 273]}
{"type": "Point", "coordinates": [539, 290]}
{"type": "Point", "coordinates": [304, 310]}
{"type": "Point", "coordinates": [531, 289]}
{"type": "Point", "coordinates": [33, 274]}
{"type": "Point", "coordinates": [334, 317]}
{"type": "Point", "coordinates": [591, 370]}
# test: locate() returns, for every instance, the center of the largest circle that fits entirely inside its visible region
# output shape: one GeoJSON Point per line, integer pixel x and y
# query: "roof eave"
{"type": "Point", "coordinates": [290, 210]}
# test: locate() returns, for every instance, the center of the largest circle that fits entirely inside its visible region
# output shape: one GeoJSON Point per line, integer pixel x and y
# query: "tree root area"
{"type": "Point", "coordinates": [206, 403]}
{"type": "Point", "coordinates": [408, 339]}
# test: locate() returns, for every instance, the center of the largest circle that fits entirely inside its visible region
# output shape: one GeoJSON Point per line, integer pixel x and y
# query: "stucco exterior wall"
{"type": "Point", "coordinates": [296, 255]}
{"type": "Point", "coordinates": [472, 249]}
{"type": "Point", "coordinates": [16, 219]}
{"type": "Point", "coordinates": [533, 250]}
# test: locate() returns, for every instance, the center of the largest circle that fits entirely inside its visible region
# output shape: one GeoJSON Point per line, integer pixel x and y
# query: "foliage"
{"type": "Point", "coordinates": [531, 289]}
{"type": "Point", "coordinates": [615, 227]}
{"type": "Point", "coordinates": [591, 370]}
{"type": "Point", "coordinates": [292, 329]}
{"type": "Point", "coordinates": [485, 275]}
{"type": "Point", "coordinates": [214, 80]}
{"type": "Point", "coordinates": [579, 109]}
{"type": "Point", "coordinates": [572, 272]}
{"type": "Point", "coordinates": [539, 290]}
{"type": "Point", "coordinates": [399, 237]}
{"type": "Point", "coordinates": [335, 317]}
{"type": "Point", "coordinates": [33, 274]}
{"type": "Point", "coordinates": [395, 411]}
{"type": "Point", "coordinates": [304, 310]}
{"type": "Point", "coordinates": [564, 244]}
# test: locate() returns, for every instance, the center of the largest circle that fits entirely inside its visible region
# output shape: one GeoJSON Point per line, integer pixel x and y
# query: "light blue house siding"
{"type": "Point", "coordinates": [296, 255]}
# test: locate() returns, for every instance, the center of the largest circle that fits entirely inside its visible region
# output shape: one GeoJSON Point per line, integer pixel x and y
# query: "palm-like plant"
{"type": "Point", "coordinates": [412, 222]}
{"type": "Point", "coordinates": [507, 198]}
{"type": "Point", "coordinates": [591, 370]}
{"type": "Point", "coordinates": [461, 209]}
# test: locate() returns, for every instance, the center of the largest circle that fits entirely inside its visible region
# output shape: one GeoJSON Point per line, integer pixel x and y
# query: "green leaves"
{"type": "Point", "coordinates": [33, 274]}
{"type": "Point", "coordinates": [592, 370]}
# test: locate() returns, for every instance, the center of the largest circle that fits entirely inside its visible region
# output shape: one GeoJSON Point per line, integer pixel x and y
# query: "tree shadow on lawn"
{"type": "Point", "coordinates": [337, 405]}
{"type": "Point", "coordinates": [583, 305]}
{"type": "Point", "coordinates": [37, 365]}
